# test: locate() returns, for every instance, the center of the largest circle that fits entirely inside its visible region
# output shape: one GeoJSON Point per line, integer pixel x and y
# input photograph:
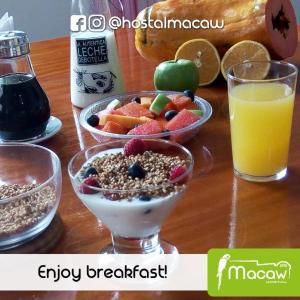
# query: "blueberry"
{"type": "Point", "coordinates": [137, 100]}
{"type": "Point", "coordinates": [93, 120]}
{"type": "Point", "coordinates": [144, 197]}
{"type": "Point", "coordinates": [136, 171]}
{"type": "Point", "coordinates": [170, 114]}
{"type": "Point", "coordinates": [166, 137]}
{"type": "Point", "coordinates": [189, 94]}
{"type": "Point", "coordinates": [90, 171]}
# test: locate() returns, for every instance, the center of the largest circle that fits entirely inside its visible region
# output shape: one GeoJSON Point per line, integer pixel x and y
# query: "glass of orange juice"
{"type": "Point", "coordinates": [261, 100]}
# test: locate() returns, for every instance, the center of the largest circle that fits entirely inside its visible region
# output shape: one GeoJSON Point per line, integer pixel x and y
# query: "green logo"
{"type": "Point", "coordinates": [254, 272]}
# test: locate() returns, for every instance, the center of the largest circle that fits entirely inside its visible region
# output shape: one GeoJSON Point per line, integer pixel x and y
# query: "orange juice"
{"type": "Point", "coordinates": [260, 118]}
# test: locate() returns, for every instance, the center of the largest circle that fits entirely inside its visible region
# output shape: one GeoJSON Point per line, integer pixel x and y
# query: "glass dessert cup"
{"type": "Point", "coordinates": [134, 224]}
{"type": "Point", "coordinates": [27, 213]}
{"type": "Point", "coordinates": [261, 100]}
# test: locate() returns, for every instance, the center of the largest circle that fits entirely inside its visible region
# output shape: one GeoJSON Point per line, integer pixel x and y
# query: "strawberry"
{"type": "Point", "coordinates": [177, 172]}
{"type": "Point", "coordinates": [90, 181]}
{"type": "Point", "coordinates": [134, 147]}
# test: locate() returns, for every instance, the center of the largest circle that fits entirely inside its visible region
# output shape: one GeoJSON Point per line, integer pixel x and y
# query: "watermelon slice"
{"type": "Point", "coordinates": [134, 109]}
{"type": "Point", "coordinates": [147, 128]}
{"type": "Point", "coordinates": [183, 119]}
{"type": "Point", "coordinates": [169, 106]}
{"type": "Point", "coordinates": [180, 101]}
{"type": "Point", "coordinates": [114, 127]}
{"type": "Point", "coordinates": [163, 122]}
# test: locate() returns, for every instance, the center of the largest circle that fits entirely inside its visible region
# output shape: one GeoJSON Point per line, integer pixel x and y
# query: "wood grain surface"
{"type": "Point", "coordinates": [218, 209]}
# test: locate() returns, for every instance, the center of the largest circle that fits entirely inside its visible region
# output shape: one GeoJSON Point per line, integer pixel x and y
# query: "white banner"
{"type": "Point", "coordinates": [66, 272]}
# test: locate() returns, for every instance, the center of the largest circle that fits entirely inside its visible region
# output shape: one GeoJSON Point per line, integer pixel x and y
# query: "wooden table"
{"type": "Point", "coordinates": [219, 210]}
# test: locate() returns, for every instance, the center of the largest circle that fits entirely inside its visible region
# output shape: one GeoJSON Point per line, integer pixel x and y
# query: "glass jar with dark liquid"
{"type": "Point", "coordinates": [24, 106]}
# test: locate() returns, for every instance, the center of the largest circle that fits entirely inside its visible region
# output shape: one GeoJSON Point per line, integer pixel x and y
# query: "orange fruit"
{"type": "Point", "coordinates": [206, 57]}
{"type": "Point", "coordinates": [243, 51]}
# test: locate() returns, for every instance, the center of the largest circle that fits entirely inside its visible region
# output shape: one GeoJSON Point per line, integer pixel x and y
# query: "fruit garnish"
{"type": "Point", "coordinates": [114, 127]}
{"type": "Point", "coordinates": [84, 187]}
{"type": "Point", "coordinates": [151, 127]}
{"type": "Point", "coordinates": [189, 94]}
{"type": "Point", "coordinates": [93, 120]}
{"type": "Point", "coordinates": [205, 56]}
{"type": "Point", "coordinates": [125, 121]}
{"type": "Point", "coordinates": [197, 112]}
{"type": "Point", "coordinates": [169, 115]}
{"type": "Point", "coordinates": [146, 102]}
{"type": "Point", "coordinates": [146, 119]}
{"type": "Point", "coordinates": [134, 109]}
{"type": "Point", "coordinates": [113, 104]}
{"type": "Point", "coordinates": [177, 172]}
{"type": "Point", "coordinates": [136, 171]}
{"type": "Point", "coordinates": [137, 100]}
{"type": "Point", "coordinates": [89, 171]}
{"type": "Point", "coordinates": [183, 119]}
{"type": "Point", "coordinates": [159, 104]}
{"type": "Point", "coordinates": [242, 51]}
{"type": "Point", "coordinates": [134, 147]}
{"type": "Point", "coordinates": [180, 101]}
{"type": "Point", "coordinates": [144, 197]}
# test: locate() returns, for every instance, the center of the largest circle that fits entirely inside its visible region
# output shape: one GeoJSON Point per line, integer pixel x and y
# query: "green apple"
{"type": "Point", "coordinates": [176, 75]}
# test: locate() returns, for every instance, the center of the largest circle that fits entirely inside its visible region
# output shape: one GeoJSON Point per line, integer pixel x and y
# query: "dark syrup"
{"type": "Point", "coordinates": [24, 107]}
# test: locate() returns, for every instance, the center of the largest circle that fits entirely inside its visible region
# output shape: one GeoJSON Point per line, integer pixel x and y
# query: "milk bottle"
{"type": "Point", "coordinates": [95, 68]}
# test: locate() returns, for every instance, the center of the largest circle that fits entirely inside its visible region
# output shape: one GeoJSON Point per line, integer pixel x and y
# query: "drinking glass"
{"type": "Point", "coordinates": [261, 100]}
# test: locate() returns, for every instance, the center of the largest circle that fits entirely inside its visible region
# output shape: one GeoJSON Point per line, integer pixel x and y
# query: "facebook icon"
{"type": "Point", "coordinates": [78, 23]}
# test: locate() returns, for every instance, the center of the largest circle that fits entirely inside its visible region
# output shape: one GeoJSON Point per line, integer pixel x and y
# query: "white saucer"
{"type": "Point", "coordinates": [53, 127]}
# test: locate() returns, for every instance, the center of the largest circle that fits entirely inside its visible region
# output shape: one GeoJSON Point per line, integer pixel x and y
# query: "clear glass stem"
{"type": "Point", "coordinates": [150, 244]}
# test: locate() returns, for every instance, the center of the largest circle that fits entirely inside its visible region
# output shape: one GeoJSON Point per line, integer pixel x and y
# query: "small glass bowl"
{"type": "Point", "coordinates": [25, 216]}
{"type": "Point", "coordinates": [180, 135]}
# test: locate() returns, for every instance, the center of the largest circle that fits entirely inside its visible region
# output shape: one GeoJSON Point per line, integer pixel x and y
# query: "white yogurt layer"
{"type": "Point", "coordinates": [134, 218]}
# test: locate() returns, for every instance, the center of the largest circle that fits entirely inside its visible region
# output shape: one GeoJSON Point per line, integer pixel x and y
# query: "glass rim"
{"type": "Point", "coordinates": [42, 185]}
{"type": "Point", "coordinates": [189, 167]}
{"type": "Point", "coordinates": [270, 62]}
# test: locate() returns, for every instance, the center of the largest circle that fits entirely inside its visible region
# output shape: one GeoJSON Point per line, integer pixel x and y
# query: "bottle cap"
{"type": "Point", "coordinates": [13, 43]}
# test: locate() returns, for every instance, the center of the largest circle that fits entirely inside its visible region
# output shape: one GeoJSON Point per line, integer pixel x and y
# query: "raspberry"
{"type": "Point", "coordinates": [176, 172]}
{"type": "Point", "coordinates": [84, 189]}
{"type": "Point", "coordinates": [134, 147]}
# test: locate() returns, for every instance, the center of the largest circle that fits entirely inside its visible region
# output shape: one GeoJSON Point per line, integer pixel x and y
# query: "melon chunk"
{"type": "Point", "coordinates": [183, 119]}
{"type": "Point", "coordinates": [180, 101]}
{"type": "Point", "coordinates": [146, 102]}
{"type": "Point", "coordinates": [125, 121]}
{"type": "Point", "coordinates": [148, 128]}
{"type": "Point", "coordinates": [134, 109]}
{"type": "Point", "coordinates": [114, 127]}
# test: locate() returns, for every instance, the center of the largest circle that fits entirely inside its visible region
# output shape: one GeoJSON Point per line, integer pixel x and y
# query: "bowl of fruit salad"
{"type": "Point", "coordinates": [174, 116]}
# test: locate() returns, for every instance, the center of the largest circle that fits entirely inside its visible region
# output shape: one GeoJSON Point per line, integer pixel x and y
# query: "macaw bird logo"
{"type": "Point", "coordinates": [222, 265]}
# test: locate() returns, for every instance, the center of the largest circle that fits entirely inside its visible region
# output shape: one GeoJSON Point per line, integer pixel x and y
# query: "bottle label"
{"type": "Point", "coordinates": [95, 82]}
{"type": "Point", "coordinates": [91, 51]}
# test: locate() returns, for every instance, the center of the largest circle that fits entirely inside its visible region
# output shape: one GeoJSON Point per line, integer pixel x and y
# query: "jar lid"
{"type": "Point", "coordinates": [13, 43]}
